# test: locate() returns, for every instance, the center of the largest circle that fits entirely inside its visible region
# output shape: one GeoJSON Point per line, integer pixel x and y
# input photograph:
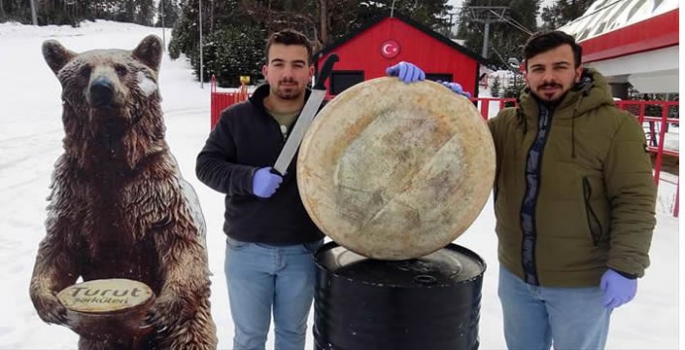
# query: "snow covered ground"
{"type": "Point", "coordinates": [30, 142]}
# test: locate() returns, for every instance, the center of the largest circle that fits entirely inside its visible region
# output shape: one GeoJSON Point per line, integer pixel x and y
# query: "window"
{"type": "Point", "coordinates": [342, 80]}
{"type": "Point", "coordinates": [439, 76]}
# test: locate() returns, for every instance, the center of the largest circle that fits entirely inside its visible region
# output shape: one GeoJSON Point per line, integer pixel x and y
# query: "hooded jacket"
{"type": "Point", "coordinates": [245, 139]}
{"type": "Point", "coordinates": [574, 191]}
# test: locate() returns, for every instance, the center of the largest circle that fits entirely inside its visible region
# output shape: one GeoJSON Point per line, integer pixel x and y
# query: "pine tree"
{"type": "Point", "coordinates": [168, 10]}
{"type": "Point", "coordinates": [232, 52]}
{"type": "Point", "coordinates": [235, 30]}
{"type": "Point", "coordinates": [514, 89]}
{"type": "Point", "coordinates": [145, 12]}
{"type": "Point", "coordinates": [563, 11]}
{"type": "Point", "coordinates": [495, 87]}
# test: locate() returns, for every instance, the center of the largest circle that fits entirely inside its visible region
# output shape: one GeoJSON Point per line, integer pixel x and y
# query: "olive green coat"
{"type": "Point", "coordinates": [595, 205]}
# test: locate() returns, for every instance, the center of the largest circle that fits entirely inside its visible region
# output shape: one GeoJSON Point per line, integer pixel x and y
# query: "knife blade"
{"type": "Point", "coordinates": [306, 116]}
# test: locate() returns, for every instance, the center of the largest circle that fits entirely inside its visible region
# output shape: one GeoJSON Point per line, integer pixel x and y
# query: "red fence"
{"type": "Point", "coordinates": [655, 116]}
{"type": "Point", "coordinates": [223, 100]}
{"type": "Point", "coordinates": [658, 115]}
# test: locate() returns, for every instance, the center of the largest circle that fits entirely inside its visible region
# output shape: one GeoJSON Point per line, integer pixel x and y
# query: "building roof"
{"type": "Point", "coordinates": [605, 16]}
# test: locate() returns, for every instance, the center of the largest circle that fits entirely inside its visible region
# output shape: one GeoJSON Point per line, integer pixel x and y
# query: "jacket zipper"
{"type": "Point", "coordinates": [592, 221]}
{"type": "Point", "coordinates": [282, 129]}
{"type": "Point", "coordinates": [284, 132]}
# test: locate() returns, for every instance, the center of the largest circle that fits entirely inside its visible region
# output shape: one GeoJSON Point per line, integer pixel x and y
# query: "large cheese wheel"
{"type": "Point", "coordinates": [396, 171]}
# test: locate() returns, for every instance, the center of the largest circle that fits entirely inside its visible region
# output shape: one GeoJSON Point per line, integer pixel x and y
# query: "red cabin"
{"type": "Point", "coordinates": [366, 53]}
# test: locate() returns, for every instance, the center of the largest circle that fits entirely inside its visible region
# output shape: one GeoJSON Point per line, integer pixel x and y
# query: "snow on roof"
{"type": "Point", "coordinates": [604, 16]}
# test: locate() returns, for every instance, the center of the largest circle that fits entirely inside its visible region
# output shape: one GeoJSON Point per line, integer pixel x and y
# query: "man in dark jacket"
{"type": "Point", "coordinates": [574, 202]}
{"type": "Point", "coordinates": [269, 266]}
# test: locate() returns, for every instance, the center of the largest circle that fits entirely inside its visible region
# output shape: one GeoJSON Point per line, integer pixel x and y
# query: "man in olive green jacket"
{"type": "Point", "coordinates": [574, 202]}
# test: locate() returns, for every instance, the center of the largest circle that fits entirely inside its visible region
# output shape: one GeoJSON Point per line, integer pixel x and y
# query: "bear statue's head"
{"type": "Point", "coordinates": [106, 92]}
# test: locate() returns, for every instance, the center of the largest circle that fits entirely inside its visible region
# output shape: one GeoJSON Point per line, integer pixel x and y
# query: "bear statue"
{"type": "Point", "coordinates": [119, 208]}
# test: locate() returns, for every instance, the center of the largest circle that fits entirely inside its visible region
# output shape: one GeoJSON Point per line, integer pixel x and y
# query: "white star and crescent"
{"type": "Point", "coordinates": [390, 49]}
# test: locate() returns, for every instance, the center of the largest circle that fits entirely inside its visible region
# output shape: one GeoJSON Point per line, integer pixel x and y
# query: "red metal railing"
{"type": "Point", "coordinates": [484, 104]}
{"type": "Point", "coordinates": [222, 100]}
{"type": "Point", "coordinates": [656, 128]}
{"type": "Point", "coordinates": [658, 115]}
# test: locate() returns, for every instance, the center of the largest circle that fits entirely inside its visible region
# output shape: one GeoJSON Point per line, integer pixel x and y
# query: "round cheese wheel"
{"type": "Point", "coordinates": [396, 171]}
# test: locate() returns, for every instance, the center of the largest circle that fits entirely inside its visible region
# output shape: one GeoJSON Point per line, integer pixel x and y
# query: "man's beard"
{"type": "Point", "coordinates": [547, 97]}
{"type": "Point", "coordinates": [289, 93]}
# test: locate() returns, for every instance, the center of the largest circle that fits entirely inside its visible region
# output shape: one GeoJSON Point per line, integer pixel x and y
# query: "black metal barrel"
{"type": "Point", "coordinates": [432, 302]}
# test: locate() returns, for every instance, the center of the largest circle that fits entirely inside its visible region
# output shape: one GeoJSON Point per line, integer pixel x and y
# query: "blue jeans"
{"type": "Point", "coordinates": [535, 317]}
{"type": "Point", "coordinates": [262, 278]}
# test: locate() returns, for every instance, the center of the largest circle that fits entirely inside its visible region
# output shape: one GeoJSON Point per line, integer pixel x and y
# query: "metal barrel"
{"type": "Point", "coordinates": [431, 302]}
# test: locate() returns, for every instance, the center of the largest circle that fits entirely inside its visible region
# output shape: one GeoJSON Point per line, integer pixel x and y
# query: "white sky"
{"type": "Point", "coordinates": [30, 142]}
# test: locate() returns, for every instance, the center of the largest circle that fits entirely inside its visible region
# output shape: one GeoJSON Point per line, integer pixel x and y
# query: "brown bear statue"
{"type": "Point", "coordinates": [119, 208]}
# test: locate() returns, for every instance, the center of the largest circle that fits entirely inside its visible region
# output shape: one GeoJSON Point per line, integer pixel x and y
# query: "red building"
{"type": "Point", "coordinates": [366, 53]}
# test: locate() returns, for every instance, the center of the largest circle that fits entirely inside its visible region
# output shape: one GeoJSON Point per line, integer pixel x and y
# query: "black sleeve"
{"type": "Point", "coordinates": [216, 166]}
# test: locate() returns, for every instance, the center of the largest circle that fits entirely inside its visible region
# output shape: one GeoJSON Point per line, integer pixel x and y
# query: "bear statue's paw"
{"type": "Point", "coordinates": [51, 310]}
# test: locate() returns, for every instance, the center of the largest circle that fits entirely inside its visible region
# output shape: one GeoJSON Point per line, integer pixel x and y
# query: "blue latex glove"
{"type": "Point", "coordinates": [617, 289]}
{"type": "Point", "coordinates": [455, 87]}
{"type": "Point", "coordinates": [265, 183]}
{"type": "Point", "coordinates": [407, 72]}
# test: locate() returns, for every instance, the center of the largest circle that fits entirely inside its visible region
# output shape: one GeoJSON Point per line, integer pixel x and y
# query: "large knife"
{"type": "Point", "coordinates": [306, 116]}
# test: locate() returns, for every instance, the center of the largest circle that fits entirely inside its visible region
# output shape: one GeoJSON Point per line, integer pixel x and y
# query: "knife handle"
{"type": "Point", "coordinates": [276, 172]}
{"type": "Point", "coordinates": [325, 71]}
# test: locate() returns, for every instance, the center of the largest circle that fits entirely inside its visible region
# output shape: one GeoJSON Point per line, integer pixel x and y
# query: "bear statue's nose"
{"type": "Point", "coordinates": [101, 92]}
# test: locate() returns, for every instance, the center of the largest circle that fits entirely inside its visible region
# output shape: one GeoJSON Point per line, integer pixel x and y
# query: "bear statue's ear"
{"type": "Point", "coordinates": [56, 55]}
{"type": "Point", "coordinates": [149, 51]}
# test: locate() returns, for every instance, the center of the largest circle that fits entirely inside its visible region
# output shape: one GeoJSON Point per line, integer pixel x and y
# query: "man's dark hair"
{"type": "Point", "coordinates": [544, 41]}
{"type": "Point", "coordinates": [289, 37]}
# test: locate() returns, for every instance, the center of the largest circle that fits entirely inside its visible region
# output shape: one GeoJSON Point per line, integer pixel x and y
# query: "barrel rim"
{"type": "Point", "coordinates": [451, 246]}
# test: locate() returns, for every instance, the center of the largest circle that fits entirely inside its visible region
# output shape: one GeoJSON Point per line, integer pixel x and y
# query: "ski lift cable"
{"type": "Point", "coordinates": [515, 25]}
{"type": "Point", "coordinates": [523, 29]}
{"type": "Point", "coordinates": [521, 25]}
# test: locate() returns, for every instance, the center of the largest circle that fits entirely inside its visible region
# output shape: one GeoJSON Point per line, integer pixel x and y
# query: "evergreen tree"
{"type": "Point", "coordinates": [58, 12]}
{"type": "Point", "coordinates": [563, 11]}
{"type": "Point", "coordinates": [169, 10]}
{"type": "Point", "coordinates": [324, 21]}
{"type": "Point", "coordinates": [232, 52]}
{"type": "Point", "coordinates": [145, 12]}
{"type": "Point", "coordinates": [72, 12]}
{"type": "Point", "coordinates": [495, 87]}
{"type": "Point", "coordinates": [514, 89]}
{"type": "Point", "coordinates": [226, 53]}
{"type": "Point", "coordinates": [432, 13]}
{"type": "Point", "coordinates": [233, 43]}
{"type": "Point", "coordinates": [135, 11]}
